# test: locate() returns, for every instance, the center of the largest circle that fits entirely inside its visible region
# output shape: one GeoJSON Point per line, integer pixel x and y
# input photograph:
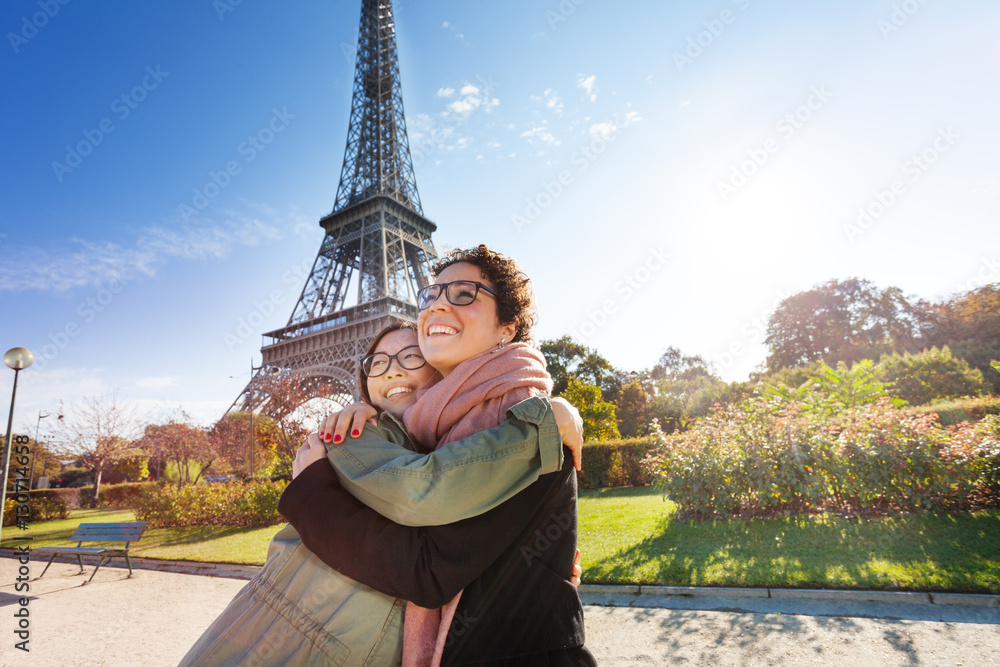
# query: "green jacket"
{"type": "Point", "coordinates": [299, 611]}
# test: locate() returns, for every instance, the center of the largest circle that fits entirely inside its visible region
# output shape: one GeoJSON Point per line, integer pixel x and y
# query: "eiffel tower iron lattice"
{"type": "Point", "coordinates": [377, 250]}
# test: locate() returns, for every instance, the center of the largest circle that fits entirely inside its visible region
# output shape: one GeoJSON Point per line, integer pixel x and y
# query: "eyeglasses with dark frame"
{"type": "Point", "coordinates": [458, 293]}
{"type": "Point", "coordinates": [378, 364]}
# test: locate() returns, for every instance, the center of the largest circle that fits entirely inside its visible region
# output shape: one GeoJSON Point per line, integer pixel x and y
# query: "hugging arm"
{"type": "Point", "coordinates": [462, 479]}
{"type": "Point", "coordinates": [426, 565]}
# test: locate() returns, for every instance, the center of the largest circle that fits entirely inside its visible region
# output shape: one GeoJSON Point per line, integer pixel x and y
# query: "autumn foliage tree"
{"type": "Point", "coordinates": [296, 404]}
{"type": "Point", "coordinates": [183, 444]}
{"type": "Point", "coordinates": [230, 439]}
{"type": "Point", "coordinates": [969, 324]}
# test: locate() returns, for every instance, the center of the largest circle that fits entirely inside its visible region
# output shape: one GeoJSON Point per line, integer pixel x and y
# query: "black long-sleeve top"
{"type": "Point", "coordinates": [512, 562]}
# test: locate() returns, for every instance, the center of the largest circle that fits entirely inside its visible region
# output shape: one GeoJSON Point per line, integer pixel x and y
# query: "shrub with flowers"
{"type": "Point", "coordinates": [251, 504]}
{"type": "Point", "coordinates": [767, 456]}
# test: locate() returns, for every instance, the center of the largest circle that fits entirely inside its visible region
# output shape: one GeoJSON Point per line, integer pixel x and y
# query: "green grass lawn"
{"type": "Point", "coordinates": [631, 536]}
{"type": "Point", "coordinates": [210, 544]}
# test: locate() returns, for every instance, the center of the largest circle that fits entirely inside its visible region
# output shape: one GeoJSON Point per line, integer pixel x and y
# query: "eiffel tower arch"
{"type": "Point", "coordinates": [377, 250]}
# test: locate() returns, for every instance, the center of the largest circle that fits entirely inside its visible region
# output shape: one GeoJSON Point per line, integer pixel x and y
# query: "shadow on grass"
{"type": "Point", "coordinates": [926, 552]}
{"type": "Point", "coordinates": [189, 535]}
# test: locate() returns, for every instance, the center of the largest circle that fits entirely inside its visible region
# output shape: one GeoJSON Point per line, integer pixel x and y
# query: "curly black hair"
{"type": "Point", "coordinates": [515, 302]}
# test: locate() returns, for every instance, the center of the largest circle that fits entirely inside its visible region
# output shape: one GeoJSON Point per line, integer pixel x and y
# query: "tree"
{"type": "Point", "coordinates": [98, 434]}
{"type": "Point", "coordinates": [631, 409]}
{"type": "Point", "coordinates": [132, 468]}
{"type": "Point", "coordinates": [230, 438]}
{"type": "Point", "coordinates": [566, 359]}
{"type": "Point", "coordinates": [969, 324]}
{"type": "Point", "coordinates": [845, 321]}
{"type": "Point", "coordinates": [182, 443]}
{"type": "Point", "coordinates": [930, 375]}
{"type": "Point", "coordinates": [291, 402]}
{"type": "Point", "coordinates": [598, 415]}
{"type": "Point", "coordinates": [41, 454]}
{"type": "Point", "coordinates": [685, 387]}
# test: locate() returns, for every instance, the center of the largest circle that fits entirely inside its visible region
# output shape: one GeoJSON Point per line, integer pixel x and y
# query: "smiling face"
{"type": "Point", "coordinates": [451, 334]}
{"type": "Point", "coordinates": [393, 391]}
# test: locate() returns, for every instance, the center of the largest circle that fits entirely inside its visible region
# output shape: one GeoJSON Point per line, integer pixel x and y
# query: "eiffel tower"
{"type": "Point", "coordinates": [377, 250]}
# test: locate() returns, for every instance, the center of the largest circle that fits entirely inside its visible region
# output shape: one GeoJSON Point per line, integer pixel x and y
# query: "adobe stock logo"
{"type": "Point", "coordinates": [38, 20]}
{"type": "Point", "coordinates": [249, 148]}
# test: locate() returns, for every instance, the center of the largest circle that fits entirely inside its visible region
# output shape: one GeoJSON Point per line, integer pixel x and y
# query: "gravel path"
{"type": "Point", "coordinates": [152, 619]}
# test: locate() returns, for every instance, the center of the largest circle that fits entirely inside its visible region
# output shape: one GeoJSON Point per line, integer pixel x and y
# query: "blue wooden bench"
{"type": "Point", "coordinates": [98, 532]}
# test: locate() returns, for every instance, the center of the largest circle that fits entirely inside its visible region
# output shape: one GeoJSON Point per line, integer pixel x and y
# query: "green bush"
{"type": "Point", "coordinates": [955, 411]}
{"type": "Point", "coordinates": [69, 496]}
{"type": "Point", "coordinates": [930, 375]}
{"type": "Point", "coordinates": [768, 456]}
{"type": "Point", "coordinates": [122, 495]}
{"type": "Point", "coordinates": [987, 454]}
{"type": "Point", "coordinates": [41, 508]}
{"type": "Point", "coordinates": [616, 463]}
{"type": "Point", "coordinates": [251, 504]}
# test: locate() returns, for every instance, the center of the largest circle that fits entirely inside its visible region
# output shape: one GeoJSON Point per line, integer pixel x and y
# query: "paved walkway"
{"type": "Point", "coordinates": [152, 619]}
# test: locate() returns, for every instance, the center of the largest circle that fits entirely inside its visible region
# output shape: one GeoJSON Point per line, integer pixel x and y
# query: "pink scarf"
{"type": "Point", "coordinates": [474, 397]}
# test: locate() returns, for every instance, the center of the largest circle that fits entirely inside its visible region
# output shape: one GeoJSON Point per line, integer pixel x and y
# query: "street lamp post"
{"type": "Point", "coordinates": [253, 369]}
{"type": "Point", "coordinates": [31, 472]}
{"type": "Point", "coordinates": [17, 358]}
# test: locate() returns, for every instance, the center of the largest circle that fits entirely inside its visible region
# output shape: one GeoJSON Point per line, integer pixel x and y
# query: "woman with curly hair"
{"type": "Point", "coordinates": [298, 610]}
{"type": "Point", "coordinates": [491, 589]}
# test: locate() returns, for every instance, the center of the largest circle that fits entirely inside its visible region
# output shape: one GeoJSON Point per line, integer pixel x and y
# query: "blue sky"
{"type": "Point", "coordinates": [666, 172]}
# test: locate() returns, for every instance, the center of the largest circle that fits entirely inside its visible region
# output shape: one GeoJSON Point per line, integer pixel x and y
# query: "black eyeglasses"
{"type": "Point", "coordinates": [458, 293]}
{"type": "Point", "coordinates": [377, 364]}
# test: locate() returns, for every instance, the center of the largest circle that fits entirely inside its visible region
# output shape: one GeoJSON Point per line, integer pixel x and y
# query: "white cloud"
{"type": "Point", "coordinates": [540, 133]}
{"type": "Point", "coordinates": [683, 104]}
{"type": "Point", "coordinates": [550, 99]}
{"type": "Point", "coordinates": [443, 132]}
{"type": "Point", "coordinates": [93, 263]}
{"type": "Point", "coordinates": [589, 84]}
{"type": "Point", "coordinates": [603, 130]}
{"type": "Point", "coordinates": [472, 99]}
{"type": "Point", "coordinates": [607, 129]}
{"type": "Point", "coordinates": [459, 36]}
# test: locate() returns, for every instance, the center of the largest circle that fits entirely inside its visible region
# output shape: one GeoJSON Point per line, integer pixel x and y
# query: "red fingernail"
{"type": "Point", "coordinates": [336, 438]}
{"type": "Point", "coordinates": [355, 433]}
{"type": "Point", "coordinates": [327, 438]}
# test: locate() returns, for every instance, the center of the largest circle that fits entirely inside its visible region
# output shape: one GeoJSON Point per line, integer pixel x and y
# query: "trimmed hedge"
{"type": "Point", "coordinates": [616, 463]}
{"type": "Point", "coordinates": [40, 509]}
{"type": "Point", "coordinates": [118, 495]}
{"type": "Point", "coordinates": [250, 504]}
{"type": "Point", "coordinates": [69, 496]}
